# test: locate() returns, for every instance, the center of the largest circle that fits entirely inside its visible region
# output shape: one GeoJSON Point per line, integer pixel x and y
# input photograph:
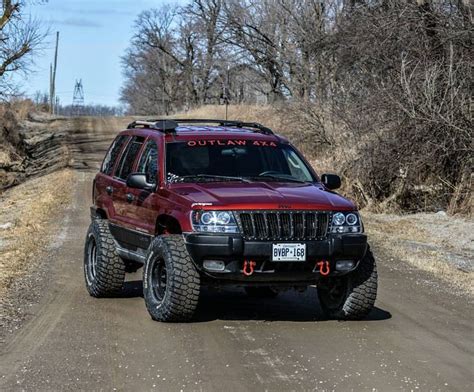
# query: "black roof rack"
{"type": "Point", "coordinates": [169, 126]}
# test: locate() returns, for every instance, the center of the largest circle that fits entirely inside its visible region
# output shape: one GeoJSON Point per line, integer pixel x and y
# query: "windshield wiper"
{"type": "Point", "coordinates": [212, 176]}
{"type": "Point", "coordinates": [283, 178]}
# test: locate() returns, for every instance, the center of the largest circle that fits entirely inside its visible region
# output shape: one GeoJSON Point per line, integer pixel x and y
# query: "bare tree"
{"type": "Point", "coordinates": [259, 36]}
{"type": "Point", "coordinates": [388, 82]}
{"type": "Point", "coordinates": [20, 37]}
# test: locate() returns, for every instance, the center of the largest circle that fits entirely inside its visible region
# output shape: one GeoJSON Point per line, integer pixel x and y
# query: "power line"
{"type": "Point", "coordinates": [78, 97]}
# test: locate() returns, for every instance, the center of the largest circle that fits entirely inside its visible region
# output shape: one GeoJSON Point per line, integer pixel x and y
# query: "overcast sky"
{"type": "Point", "coordinates": [93, 36]}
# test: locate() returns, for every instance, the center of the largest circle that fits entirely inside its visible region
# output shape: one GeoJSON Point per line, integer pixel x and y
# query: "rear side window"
{"type": "Point", "coordinates": [128, 157]}
{"type": "Point", "coordinates": [112, 154]}
{"type": "Point", "coordinates": [149, 162]}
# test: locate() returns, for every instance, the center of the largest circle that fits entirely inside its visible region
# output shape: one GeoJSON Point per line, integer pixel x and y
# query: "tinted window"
{"type": "Point", "coordinates": [240, 158]}
{"type": "Point", "coordinates": [128, 158]}
{"type": "Point", "coordinates": [149, 162]}
{"type": "Point", "coordinates": [112, 154]}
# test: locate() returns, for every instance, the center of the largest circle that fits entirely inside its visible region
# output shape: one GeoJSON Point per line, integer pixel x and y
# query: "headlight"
{"type": "Point", "coordinates": [338, 219]}
{"type": "Point", "coordinates": [351, 219]}
{"type": "Point", "coordinates": [346, 222]}
{"type": "Point", "coordinates": [214, 221]}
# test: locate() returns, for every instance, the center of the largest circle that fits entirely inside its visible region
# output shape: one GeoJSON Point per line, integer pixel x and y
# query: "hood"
{"type": "Point", "coordinates": [261, 195]}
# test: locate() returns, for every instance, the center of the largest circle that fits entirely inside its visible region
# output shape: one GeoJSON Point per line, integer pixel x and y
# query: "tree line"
{"type": "Point", "coordinates": [386, 82]}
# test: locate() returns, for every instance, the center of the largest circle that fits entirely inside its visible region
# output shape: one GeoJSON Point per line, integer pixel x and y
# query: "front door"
{"type": "Point", "coordinates": [145, 211]}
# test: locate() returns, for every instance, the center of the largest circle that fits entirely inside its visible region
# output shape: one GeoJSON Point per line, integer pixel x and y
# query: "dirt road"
{"type": "Point", "coordinates": [420, 337]}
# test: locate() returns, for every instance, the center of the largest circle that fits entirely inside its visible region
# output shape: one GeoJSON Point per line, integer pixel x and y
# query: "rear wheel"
{"type": "Point", "coordinates": [171, 283]}
{"type": "Point", "coordinates": [104, 270]}
{"type": "Point", "coordinates": [350, 297]}
{"type": "Point", "coordinates": [261, 292]}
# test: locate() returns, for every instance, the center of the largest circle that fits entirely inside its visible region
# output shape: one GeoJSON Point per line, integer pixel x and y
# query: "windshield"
{"type": "Point", "coordinates": [234, 160]}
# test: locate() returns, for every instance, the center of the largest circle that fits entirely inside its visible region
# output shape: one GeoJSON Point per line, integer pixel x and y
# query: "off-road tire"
{"type": "Point", "coordinates": [174, 296]}
{"type": "Point", "coordinates": [261, 292]}
{"type": "Point", "coordinates": [105, 274]}
{"type": "Point", "coordinates": [355, 293]}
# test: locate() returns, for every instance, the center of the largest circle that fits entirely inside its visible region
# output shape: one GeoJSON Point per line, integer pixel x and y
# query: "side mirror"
{"type": "Point", "coordinates": [138, 181]}
{"type": "Point", "coordinates": [331, 181]}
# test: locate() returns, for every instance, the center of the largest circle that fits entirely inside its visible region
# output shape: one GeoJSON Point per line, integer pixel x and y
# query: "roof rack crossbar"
{"type": "Point", "coordinates": [166, 126]}
{"type": "Point", "coordinates": [169, 125]}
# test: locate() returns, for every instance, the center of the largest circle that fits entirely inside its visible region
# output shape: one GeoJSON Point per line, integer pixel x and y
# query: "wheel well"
{"type": "Point", "coordinates": [167, 224]}
{"type": "Point", "coordinates": [100, 213]}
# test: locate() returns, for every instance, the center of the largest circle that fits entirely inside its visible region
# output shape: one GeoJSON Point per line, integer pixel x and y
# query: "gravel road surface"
{"type": "Point", "coordinates": [420, 336]}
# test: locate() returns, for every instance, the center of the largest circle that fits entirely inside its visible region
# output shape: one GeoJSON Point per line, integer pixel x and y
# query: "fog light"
{"type": "Point", "coordinates": [214, 265]}
{"type": "Point", "coordinates": [345, 265]}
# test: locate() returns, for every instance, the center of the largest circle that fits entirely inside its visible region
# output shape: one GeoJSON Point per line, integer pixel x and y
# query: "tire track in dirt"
{"type": "Point", "coordinates": [418, 338]}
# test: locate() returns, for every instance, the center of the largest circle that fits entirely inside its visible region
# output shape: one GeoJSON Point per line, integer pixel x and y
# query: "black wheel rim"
{"type": "Point", "coordinates": [159, 279]}
{"type": "Point", "coordinates": [335, 293]}
{"type": "Point", "coordinates": [91, 265]}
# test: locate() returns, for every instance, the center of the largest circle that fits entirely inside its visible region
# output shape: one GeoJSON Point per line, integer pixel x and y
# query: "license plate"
{"type": "Point", "coordinates": [289, 252]}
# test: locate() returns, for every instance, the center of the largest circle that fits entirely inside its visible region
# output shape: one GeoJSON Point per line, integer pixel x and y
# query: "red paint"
{"type": "Point", "coordinates": [176, 200]}
{"type": "Point", "coordinates": [249, 267]}
{"type": "Point", "coordinates": [324, 267]}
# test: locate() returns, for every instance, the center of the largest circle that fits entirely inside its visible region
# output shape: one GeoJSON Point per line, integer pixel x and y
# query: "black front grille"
{"type": "Point", "coordinates": [282, 225]}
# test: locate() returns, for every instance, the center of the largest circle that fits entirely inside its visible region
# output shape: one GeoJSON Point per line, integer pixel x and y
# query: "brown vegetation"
{"type": "Point", "coordinates": [418, 239]}
{"type": "Point", "coordinates": [27, 213]}
{"type": "Point", "coordinates": [381, 88]}
{"type": "Point", "coordinates": [29, 145]}
{"type": "Point", "coordinates": [332, 150]}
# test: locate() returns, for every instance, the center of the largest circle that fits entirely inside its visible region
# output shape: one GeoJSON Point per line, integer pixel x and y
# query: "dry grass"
{"type": "Point", "coordinates": [27, 213]}
{"type": "Point", "coordinates": [435, 243]}
{"type": "Point", "coordinates": [21, 108]}
{"type": "Point", "coordinates": [439, 244]}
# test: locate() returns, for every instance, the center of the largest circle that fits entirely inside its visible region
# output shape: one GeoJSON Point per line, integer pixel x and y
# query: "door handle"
{"type": "Point", "coordinates": [109, 190]}
{"type": "Point", "coordinates": [130, 197]}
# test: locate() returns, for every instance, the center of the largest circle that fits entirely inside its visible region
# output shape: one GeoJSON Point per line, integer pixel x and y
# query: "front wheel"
{"type": "Point", "coordinates": [350, 297]}
{"type": "Point", "coordinates": [171, 283]}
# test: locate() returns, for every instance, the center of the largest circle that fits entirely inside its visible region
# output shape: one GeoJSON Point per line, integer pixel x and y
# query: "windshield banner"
{"type": "Point", "coordinates": [229, 142]}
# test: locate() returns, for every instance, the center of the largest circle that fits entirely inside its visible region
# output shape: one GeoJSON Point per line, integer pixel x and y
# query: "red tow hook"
{"type": "Point", "coordinates": [324, 268]}
{"type": "Point", "coordinates": [249, 267]}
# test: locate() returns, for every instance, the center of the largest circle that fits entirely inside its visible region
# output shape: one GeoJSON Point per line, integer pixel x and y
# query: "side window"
{"type": "Point", "coordinates": [149, 162]}
{"type": "Point", "coordinates": [112, 155]}
{"type": "Point", "coordinates": [128, 158]}
{"type": "Point", "coordinates": [297, 168]}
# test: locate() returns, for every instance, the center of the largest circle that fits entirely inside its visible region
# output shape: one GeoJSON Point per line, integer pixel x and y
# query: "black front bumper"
{"type": "Point", "coordinates": [234, 251]}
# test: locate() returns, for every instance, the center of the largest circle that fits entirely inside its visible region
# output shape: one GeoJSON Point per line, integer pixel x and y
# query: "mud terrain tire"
{"type": "Point", "coordinates": [104, 270]}
{"type": "Point", "coordinates": [261, 292]}
{"type": "Point", "coordinates": [171, 284]}
{"type": "Point", "coordinates": [351, 297]}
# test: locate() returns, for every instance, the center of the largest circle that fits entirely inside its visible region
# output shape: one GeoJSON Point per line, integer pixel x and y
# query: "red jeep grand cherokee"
{"type": "Point", "coordinates": [217, 202]}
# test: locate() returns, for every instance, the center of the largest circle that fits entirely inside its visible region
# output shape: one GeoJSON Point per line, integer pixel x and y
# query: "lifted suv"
{"type": "Point", "coordinates": [217, 202]}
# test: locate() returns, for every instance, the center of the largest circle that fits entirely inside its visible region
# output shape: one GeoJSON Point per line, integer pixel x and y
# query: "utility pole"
{"type": "Point", "coordinates": [52, 78]}
{"type": "Point", "coordinates": [50, 88]}
{"type": "Point", "coordinates": [56, 105]}
{"type": "Point", "coordinates": [226, 92]}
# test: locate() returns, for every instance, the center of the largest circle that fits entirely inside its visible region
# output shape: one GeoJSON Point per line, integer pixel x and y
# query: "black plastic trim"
{"type": "Point", "coordinates": [233, 250]}
{"type": "Point", "coordinates": [130, 239]}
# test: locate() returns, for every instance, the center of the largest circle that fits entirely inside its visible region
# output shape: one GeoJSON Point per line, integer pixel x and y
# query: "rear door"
{"type": "Point", "coordinates": [104, 181]}
{"type": "Point", "coordinates": [123, 200]}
